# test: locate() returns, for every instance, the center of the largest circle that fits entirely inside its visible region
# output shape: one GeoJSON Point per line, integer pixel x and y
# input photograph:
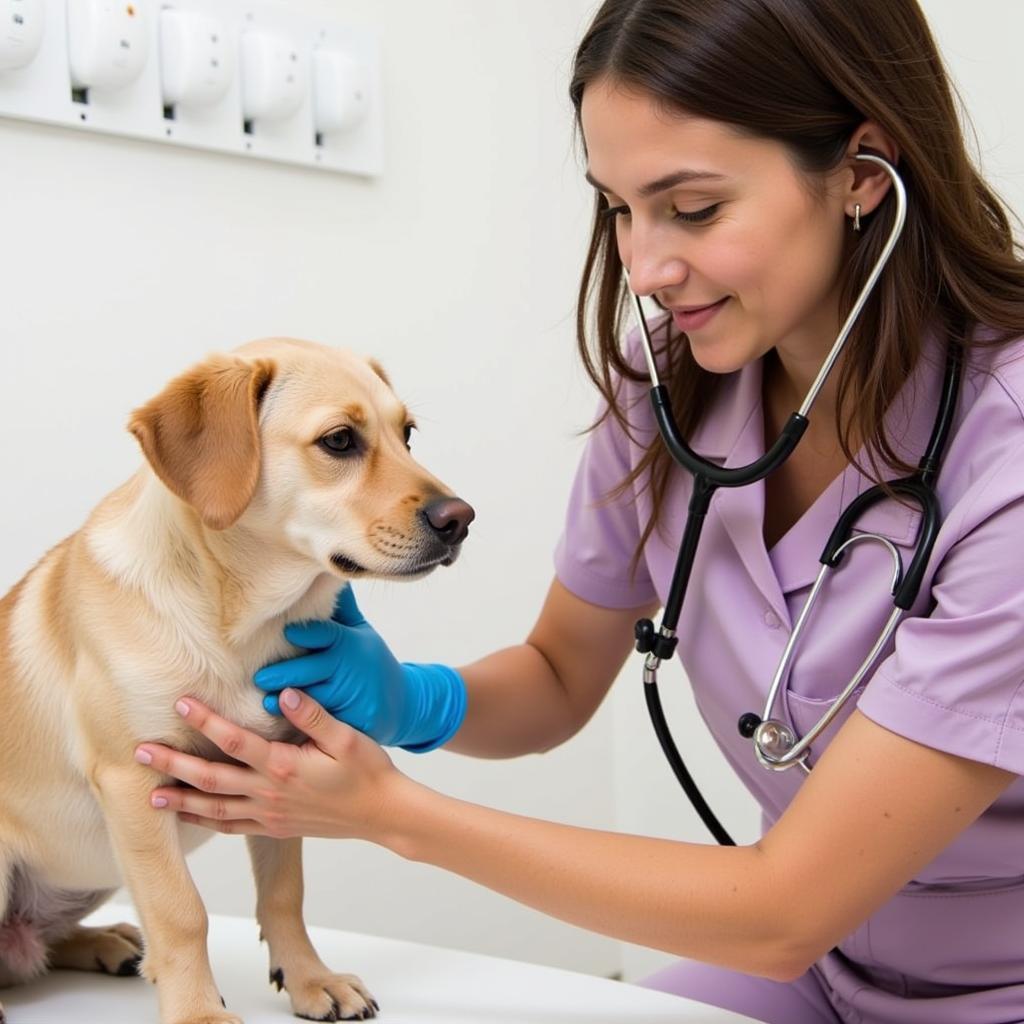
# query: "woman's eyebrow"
{"type": "Point", "coordinates": [663, 183]}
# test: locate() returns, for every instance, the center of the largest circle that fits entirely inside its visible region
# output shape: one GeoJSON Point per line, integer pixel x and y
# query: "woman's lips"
{"type": "Point", "coordinates": [696, 317]}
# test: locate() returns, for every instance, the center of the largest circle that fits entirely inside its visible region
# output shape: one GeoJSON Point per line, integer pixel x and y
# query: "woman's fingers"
{"type": "Point", "coordinates": [346, 611]}
{"type": "Point", "coordinates": [330, 734]}
{"type": "Point", "coordinates": [243, 827]}
{"type": "Point", "coordinates": [207, 776]}
{"type": "Point", "coordinates": [224, 812]}
{"type": "Point", "coordinates": [320, 692]}
{"type": "Point", "coordinates": [238, 743]}
{"type": "Point", "coordinates": [314, 634]}
{"type": "Point", "coordinates": [300, 671]}
{"type": "Point", "coordinates": [328, 786]}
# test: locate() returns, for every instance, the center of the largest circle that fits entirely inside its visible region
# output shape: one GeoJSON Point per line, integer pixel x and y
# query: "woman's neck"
{"type": "Point", "coordinates": [784, 386]}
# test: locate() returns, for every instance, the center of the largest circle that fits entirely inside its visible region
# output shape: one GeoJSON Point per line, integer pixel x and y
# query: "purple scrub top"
{"type": "Point", "coordinates": [949, 947]}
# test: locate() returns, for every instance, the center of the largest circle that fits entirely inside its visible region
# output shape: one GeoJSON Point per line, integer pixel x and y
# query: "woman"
{"type": "Point", "coordinates": [721, 137]}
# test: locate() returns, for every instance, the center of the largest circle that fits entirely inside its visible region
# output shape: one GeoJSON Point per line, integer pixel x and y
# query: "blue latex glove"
{"type": "Point", "coordinates": [354, 675]}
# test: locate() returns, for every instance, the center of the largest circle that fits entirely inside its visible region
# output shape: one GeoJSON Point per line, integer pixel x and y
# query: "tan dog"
{"type": "Point", "coordinates": [274, 474]}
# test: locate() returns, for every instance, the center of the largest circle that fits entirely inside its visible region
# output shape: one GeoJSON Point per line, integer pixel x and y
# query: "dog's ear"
{"type": "Point", "coordinates": [379, 370]}
{"type": "Point", "coordinates": [201, 435]}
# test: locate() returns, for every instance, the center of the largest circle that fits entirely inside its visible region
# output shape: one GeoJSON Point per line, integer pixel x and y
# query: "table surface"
{"type": "Point", "coordinates": [414, 984]}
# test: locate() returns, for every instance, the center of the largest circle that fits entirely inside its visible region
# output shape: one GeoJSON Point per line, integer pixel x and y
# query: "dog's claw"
{"type": "Point", "coordinates": [334, 1015]}
{"type": "Point", "coordinates": [277, 978]}
{"type": "Point", "coordinates": [129, 968]}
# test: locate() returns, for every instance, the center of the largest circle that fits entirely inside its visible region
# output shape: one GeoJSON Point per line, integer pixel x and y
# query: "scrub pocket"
{"type": "Point", "coordinates": [806, 712]}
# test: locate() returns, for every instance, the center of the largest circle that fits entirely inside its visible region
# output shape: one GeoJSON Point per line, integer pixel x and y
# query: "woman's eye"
{"type": "Point", "coordinates": [338, 442]}
{"type": "Point", "coordinates": [696, 216]}
{"type": "Point", "coordinates": [687, 216]}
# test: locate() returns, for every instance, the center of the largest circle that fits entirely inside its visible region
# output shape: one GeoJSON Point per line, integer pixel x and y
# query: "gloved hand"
{"type": "Point", "coordinates": [354, 675]}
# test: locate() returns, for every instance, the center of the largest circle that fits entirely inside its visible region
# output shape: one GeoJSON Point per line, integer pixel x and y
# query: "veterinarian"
{"type": "Point", "coordinates": [726, 141]}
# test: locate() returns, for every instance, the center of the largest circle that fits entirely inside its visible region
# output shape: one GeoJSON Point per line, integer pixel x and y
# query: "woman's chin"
{"type": "Point", "coordinates": [720, 359]}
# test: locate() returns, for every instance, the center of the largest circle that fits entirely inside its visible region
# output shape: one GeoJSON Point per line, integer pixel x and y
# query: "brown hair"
{"type": "Point", "coordinates": [808, 73]}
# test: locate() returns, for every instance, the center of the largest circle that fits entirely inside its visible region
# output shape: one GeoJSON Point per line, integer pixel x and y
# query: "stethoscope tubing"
{"type": "Point", "coordinates": [708, 477]}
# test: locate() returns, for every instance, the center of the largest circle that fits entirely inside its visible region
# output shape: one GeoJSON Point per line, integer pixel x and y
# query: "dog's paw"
{"type": "Point", "coordinates": [328, 997]}
{"type": "Point", "coordinates": [115, 949]}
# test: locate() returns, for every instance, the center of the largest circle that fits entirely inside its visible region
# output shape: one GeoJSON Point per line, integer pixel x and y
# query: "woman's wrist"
{"type": "Point", "coordinates": [404, 812]}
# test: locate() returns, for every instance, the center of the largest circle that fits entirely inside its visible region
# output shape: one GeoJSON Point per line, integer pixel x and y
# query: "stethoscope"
{"type": "Point", "coordinates": [776, 744]}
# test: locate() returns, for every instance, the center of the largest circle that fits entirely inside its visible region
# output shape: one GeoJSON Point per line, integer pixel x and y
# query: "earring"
{"type": "Point", "coordinates": [856, 217]}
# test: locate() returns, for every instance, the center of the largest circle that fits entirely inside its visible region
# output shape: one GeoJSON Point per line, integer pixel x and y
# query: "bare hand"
{"type": "Point", "coordinates": [337, 784]}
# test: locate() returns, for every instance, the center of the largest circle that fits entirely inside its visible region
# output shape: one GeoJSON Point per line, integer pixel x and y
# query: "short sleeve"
{"type": "Point", "coordinates": [955, 679]}
{"type": "Point", "coordinates": [594, 554]}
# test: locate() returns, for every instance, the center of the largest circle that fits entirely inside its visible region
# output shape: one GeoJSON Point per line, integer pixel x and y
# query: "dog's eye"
{"type": "Point", "coordinates": [338, 442]}
{"type": "Point", "coordinates": [409, 428]}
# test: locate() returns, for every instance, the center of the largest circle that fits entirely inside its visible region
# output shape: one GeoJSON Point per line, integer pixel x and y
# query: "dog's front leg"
{"type": "Point", "coordinates": [174, 921]}
{"type": "Point", "coordinates": [316, 992]}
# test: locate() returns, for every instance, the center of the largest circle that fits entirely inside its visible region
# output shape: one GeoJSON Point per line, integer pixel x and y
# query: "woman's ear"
{"type": "Point", "coordinates": [868, 184]}
{"type": "Point", "coordinates": [201, 435]}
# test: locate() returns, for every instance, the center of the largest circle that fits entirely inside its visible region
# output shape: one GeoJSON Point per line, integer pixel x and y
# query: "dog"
{"type": "Point", "coordinates": [273, 475]}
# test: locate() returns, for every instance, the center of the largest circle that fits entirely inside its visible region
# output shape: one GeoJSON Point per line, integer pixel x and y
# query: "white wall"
{"type": "Point", "coordinates": [123, 262]}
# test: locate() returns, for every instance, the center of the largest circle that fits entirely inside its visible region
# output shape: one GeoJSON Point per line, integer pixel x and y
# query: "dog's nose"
{"type": "Point", "coordinates": [449, 518]}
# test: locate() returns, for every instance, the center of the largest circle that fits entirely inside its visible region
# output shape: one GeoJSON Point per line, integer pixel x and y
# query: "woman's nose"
{"type": "Point", "coordinates": [652, 266]}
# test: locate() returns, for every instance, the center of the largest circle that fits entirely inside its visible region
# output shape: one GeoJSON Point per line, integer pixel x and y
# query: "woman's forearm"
{"type": "Point", "coordinates": [517, 705]}
{"type": "Point", "coordinates": [708, 903]}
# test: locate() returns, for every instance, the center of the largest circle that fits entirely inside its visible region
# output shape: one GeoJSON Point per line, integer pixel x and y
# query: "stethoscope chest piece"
{"type": "Point", "coordinates": [773, 740]}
